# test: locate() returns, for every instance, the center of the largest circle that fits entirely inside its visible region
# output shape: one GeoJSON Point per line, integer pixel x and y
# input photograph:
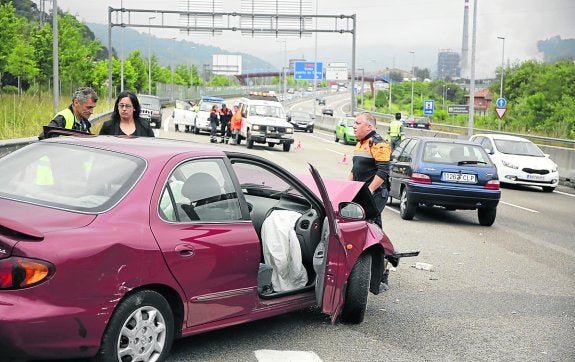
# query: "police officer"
{"type": "Point", "coordinates": [76, 116]}
{"type": "Point", "coordinates": [395, 132]}
{"type": "Point", "coordinates": [371, 165]}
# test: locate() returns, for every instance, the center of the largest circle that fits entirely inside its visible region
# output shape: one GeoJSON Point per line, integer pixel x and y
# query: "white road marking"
{"type": "Point", "coordinates": [391, 209]}
{"type": "Point", "coordinates": [334, 151]}
{"type": "Point", "coordinates": [519, 207]}
{"type": "Point", "coordinates": [269, 355]}
{"type": "Point", "coordinates": [564, 193]}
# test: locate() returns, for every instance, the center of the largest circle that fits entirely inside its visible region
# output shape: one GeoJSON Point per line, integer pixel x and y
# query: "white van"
{"type": "Point", "coordinates": [264, 121]}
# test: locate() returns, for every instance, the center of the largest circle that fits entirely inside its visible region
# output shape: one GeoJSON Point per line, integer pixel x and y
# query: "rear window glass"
{"type": "Point", "coordinates": [69, 177]}
{"type": "Point", "coordinates": [455, 154]}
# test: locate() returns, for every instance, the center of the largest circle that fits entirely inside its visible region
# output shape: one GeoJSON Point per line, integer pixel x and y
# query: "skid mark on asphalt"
{"type": "Point", "coordinates": [269, 355]}
{"type": "Point", "coordinates": [519, 207]}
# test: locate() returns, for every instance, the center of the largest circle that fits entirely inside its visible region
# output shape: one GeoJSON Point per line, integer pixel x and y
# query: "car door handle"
{"type": "Point", "coordinates": [185, 250]}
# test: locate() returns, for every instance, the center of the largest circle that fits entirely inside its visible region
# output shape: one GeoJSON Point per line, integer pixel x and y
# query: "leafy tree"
{"type": "Point", "coordinates": [21, 62]}
{"type": "Point", "coordinates": [140, 67]}
{"type": "Point", "coordinates": [41, 41]}
{"type": "Point", "coordinates": [10, 31]}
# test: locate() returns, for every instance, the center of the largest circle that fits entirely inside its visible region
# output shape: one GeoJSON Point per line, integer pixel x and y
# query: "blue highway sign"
{"type": "Point", "coordinates": [305, 70]}
{"type": "Point", "coordinates": [428, 107]}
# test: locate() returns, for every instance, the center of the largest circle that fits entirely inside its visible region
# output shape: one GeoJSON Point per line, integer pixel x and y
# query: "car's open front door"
{"type": "Point", "coordinates": [329, 258]}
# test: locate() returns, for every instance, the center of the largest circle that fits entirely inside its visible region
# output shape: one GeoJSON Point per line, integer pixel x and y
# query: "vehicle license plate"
{"type": "Point", "coordinates": [272, 140]}
{"type": "Point", "coordinates": [459, 177]}
{"type": "Point", "coordinates": [534, 177]}
{"type": "Point", "coordinates": [420, 125]}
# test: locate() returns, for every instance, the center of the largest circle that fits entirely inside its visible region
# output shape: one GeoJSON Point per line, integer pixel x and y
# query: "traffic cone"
{"type": "Point", "coordinates": [344, 159]}
{"type": "Point", "coordinates": [298, 145]}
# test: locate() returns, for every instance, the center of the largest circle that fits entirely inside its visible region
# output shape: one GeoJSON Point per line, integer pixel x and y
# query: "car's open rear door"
{"type": "Point", "coordinates": [329, 258]}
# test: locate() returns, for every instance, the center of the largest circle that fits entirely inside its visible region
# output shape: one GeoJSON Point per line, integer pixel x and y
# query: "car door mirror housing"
{"type": "Point", "coordinates": [351, 210]}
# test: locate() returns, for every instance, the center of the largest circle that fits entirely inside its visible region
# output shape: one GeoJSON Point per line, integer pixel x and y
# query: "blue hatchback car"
{"type": "Point", "coordinates": [453, 174]}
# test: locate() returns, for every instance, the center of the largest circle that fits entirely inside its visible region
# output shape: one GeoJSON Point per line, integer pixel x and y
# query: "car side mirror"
{"type": "Point", "coordinates": [351, 210]}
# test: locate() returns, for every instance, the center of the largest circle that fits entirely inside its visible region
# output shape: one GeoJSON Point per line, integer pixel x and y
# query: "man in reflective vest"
{"type": "Point", "coordinates": [76, 116]}
{"type": "Point", "coordinates": [395, 132]}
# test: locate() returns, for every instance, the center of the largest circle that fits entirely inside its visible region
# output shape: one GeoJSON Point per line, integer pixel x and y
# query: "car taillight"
{"type": "Point", "coordinates": [420, 178]}
{"type": "Point", "coordinates": [492, 185]}
{"type": "Point", "coordinates": [18, 272]}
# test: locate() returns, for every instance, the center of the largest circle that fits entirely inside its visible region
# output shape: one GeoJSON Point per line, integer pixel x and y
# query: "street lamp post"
{"type": "Point", "coordinates": [283, 79]}
{"type": "Point", "coordinates": [362, 84]}
{"type": "Point", "coordinates": [412, 78]}
{"type": "Point", "coordinates": [150, 18]}
{"type": "Point", "coordinates": [172, 66]}
{"type": "Point", "coordinates": [502, 65]}
{"type": "Point", "coordinates": [122, 50]}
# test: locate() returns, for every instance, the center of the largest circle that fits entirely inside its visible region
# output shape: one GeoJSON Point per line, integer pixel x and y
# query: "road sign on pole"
{"type": "Point", "coordinates": [501, 102]}
{"type": "Point", "coordinates": [306, 70]}
{"type": "Point", "coordinates": [500, 112]}
{"type": "Point", "coordinates": [458, 109]}
{"type": "Point", "coordinates": [428, 107]}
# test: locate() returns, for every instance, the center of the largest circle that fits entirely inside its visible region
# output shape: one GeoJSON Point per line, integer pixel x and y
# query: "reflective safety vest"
{"type": "Point", "coordinates": [395, 129]}
{"type": "Point", "coordinates": [68, 116]}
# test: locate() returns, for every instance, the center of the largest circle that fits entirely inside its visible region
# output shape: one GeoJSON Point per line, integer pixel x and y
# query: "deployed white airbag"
{"type": "Point", "coordinates": [282, 250]}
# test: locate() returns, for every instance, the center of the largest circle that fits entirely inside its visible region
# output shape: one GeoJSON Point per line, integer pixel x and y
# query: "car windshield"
{"type": "Point", "coordinates": [68, 177]}
{"type": "Point", "coordinates": [149, 101]}
{"type": "Point", "coordinates": [267, 111]}
{"type": "Point", "coordinates": [300, 115]}
{"type": "Point", "coordinates": [518, 147]}
{"type": "Point", "coordinates": [455, 154]}
{"type": "Point", "coordinates": [207, 106]}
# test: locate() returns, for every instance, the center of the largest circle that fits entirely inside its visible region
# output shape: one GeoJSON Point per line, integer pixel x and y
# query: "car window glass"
{"type": "Point", "coordinates": [406, 155]}
{"type": "Point", "coordinates": [397, 151]}
{"type": "Point", "coordinates": [518, 147]}
{"type": "Point", "coordinates": [200, 190]}
{"type": "Point", "coordinates": [69, 177]}
{"type": "Point", "coordinates": [455, 154]}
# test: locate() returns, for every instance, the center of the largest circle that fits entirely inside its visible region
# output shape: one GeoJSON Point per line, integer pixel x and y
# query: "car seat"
{"type": "Point", "coordinates": [202, 189]}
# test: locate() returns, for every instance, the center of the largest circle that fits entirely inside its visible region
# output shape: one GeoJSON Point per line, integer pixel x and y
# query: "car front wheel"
{"type": "Point", "coordinates": [249, 141]}
{"type": "Point", "coordinates": [336, 137]}
{"type": "Point", "coordinates": [287, 146]}
{"type": "Point", "coordinates": [406, 207]}
{"type": "Point", "coordinates": [355, 301]}
{"type": "Point", "coordinates": [141, 329]}
{"type": "Point", "coordinates": [486, 216]}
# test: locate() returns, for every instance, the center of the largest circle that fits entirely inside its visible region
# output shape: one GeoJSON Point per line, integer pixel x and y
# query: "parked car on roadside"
{"type": "Point", "coordinates": [151, 109]}
{"type": "Point", "coordinates": [300, 120]}
{"type": "Point", "coordinates": [452, 174]}
{"type": "Point", "coordinates": [344, 131]}
{"type": "Point", "coordinates": [418, 122]}
{"type": "Point", "coordinates": [519, 161]}
{"type": "Point", "coordinates": [321, 101]}
{"type": "Point", "coordinates": [183, 116]}
{"type": "Point", "coordinates": [137, 241]}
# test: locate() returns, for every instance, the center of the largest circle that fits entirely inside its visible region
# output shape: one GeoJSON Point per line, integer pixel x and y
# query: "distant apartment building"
{"type": "Point", "coordinates": [448, 65]}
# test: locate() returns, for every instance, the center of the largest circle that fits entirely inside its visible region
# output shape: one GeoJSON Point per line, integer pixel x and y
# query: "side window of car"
{"type": "Point", "coordinates": [486, 144]}
{"type": "Point", "coordinates": [397, 151]}
{"type": "Point", "coordinates": [406, 155]}
{"type": "Point", "coordinates": [200, 190]}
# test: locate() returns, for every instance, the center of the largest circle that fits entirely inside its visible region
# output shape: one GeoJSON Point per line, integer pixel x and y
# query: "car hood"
{"type": "Point", "coordinates": [16, 223]}
{"type": "Point", "coordinates": [270, 121]}
{"type": "Point", "coordinates": [528, 161]}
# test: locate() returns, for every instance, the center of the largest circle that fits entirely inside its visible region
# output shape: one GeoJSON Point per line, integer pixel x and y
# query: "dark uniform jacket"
{"type": "Point", "coordinates": [112, 127]}
{"type": "Point", "coordinates": [371, 157]}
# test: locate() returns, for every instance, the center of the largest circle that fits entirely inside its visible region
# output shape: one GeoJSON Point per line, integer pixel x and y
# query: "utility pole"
{"type": "Point", "coordinates": [502, 70]}
{"type": "Point", "coordinates": [150, 55]}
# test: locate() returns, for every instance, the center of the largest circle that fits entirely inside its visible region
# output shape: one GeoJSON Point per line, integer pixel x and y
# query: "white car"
{"type": "Point", "coordinates": [184, 116]}
{"type": "Point", "coordinates": [519, 161]}
{"type": "Point", "coordinates": [202, 120]}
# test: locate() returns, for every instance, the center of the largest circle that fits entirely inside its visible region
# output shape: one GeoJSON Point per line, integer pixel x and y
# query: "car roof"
{"type": "Point", "coordinates": [447, 140]}
{"type": "Point", "coordinates": [502, 137]}
{"type": "Point", "coordinates": [144, 147]}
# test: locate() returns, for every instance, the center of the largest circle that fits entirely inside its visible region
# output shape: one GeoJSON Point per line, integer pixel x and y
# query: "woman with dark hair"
{"type": "Point", "coordinates": [126, 119]}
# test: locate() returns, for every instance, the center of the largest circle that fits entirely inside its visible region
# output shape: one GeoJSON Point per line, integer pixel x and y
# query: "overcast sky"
{"type": "Point", "coordinates": [387, 30]}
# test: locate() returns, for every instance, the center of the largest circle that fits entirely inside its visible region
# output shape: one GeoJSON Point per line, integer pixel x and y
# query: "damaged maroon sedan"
{"type": "Point", "coordinates": [112, 247]}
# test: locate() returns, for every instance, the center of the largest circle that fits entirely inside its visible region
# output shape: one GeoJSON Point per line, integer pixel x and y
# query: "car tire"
{"type": "Point", "coordinates": [336, 138]}
{"type": "Point", "coordinates": [486, 216]}
{"type": "Point", "coordinates": [548, 188]}
{"type": "Point", "coordinates": [287, 146]}
{"type": "Point", "coordinates": [133, 315]}
{"type": "Point", "coordinates": [311, 130]}
{"type": "Point", "coordinates": [406, 208]}
{"type": "Point", "coordinates": [249, 142]}
{"type": "Point", "coordinates": [271, 144]}
{"type": "Point", "coordinates": [345, 140]}
{"type": "Point", "coordinates": [355, 300]}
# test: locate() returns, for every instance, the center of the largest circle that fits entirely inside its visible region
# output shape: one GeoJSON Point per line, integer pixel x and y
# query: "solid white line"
{"type": "Point", "coordinates": [519, 207]}
{"type": "Point", "coordinates": [268, 355]}
{"type": "Point", "coordinates": [563, 193]}
{"type": "Point", "coordinates": [334, 151]}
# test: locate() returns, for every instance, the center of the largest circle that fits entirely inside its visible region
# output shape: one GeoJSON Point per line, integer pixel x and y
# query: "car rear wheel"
{"type": "Point", "coordinates": [141, 329]}
{"type": "Point", "coordinates": [486, 216]}
{"type": "Point", "coordinates": [355, 301]}
{"type": "Point", "coordinates": [406, 208]}
{"type": "Point", "coordinates": [249, 141]}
